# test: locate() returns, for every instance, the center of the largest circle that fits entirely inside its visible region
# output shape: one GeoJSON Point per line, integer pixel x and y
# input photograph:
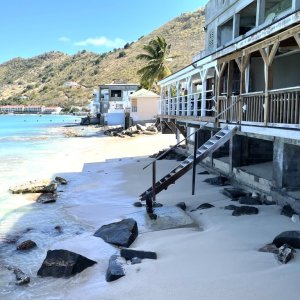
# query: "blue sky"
{"type": "Point", "coordinates": [32, 27]}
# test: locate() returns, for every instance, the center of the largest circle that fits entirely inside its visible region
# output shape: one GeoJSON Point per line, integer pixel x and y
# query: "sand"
{"type": "Point", "coordinates": [217, 259]}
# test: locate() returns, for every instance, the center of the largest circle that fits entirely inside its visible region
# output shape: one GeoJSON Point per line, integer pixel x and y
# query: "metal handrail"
{"type": "Point", "coordinates": [201, 126]}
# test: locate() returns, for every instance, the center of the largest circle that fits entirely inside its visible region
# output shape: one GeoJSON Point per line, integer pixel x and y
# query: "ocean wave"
{"type": "Point", "coordinates": [23, 138]}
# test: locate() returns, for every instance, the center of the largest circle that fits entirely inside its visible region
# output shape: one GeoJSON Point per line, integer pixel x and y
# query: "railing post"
{"type": "Point", "coordinates": [194, 162]}
{"type": "Point", "coordinates": [153, 180]}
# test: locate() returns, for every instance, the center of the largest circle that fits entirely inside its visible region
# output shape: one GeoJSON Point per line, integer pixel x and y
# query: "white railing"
{"type": "Point", "coordinates": [195, 104]}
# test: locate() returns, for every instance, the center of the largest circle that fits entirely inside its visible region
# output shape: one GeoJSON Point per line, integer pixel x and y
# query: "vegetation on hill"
{"type": "Point", "coordinates": [41, 79]}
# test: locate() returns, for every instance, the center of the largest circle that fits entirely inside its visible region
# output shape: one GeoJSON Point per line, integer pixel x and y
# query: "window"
{"type": "Point", "coordinates": [133, 105]}
{"type": "Point", "coordinates": [225, 33]}
{"type": "Point", "coordinates": [275, 7]}
{"type": "Point", "coordinates": [247, 18]}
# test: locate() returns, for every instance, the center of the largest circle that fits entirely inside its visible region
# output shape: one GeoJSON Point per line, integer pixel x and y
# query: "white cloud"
{"type": "Point", "coordinates": [102, 41]}
{"type": "Point", "coordinates": [64, 39]}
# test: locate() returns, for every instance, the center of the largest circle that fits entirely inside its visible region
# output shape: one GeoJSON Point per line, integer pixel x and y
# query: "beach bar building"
{"type": "Point", "coordinates": [114, 102]}
{"type": "Point", "coordinates": [238, 102]}
{"type": "Point", "coordinates": [144, 105]}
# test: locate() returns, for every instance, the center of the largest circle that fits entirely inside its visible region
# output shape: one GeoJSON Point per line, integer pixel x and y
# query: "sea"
{"type": "Point", "coordinates": [27, 144]}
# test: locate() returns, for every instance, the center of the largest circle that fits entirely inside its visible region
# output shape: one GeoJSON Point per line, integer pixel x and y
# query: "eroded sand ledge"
{"type": "Point", "coordinates": [220, 262]}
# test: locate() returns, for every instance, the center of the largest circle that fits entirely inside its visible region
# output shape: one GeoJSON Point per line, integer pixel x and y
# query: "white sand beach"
{"type": "Point", "coordinates": [215, 259]}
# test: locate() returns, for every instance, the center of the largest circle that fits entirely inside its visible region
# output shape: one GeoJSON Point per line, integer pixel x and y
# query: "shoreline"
{"type": "Point", "coordinates": [220, 262]}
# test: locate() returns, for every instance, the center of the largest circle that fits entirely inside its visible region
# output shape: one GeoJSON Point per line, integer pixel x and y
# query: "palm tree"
{"type": "Point", "coordinates": [157, 54]}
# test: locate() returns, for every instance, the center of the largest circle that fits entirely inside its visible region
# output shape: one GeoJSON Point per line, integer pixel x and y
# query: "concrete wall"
{"type": "Point", "coordinates": [147, 108]}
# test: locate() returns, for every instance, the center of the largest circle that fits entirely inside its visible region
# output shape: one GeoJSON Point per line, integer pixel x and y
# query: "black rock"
{"type": "Point", "coordinates": [285, 254]}
{"type": "Point", "coordinates": [21, 277]}
{"type": "Point", "coordinates": [231, 207]}
{"type": "Point", "coordinates": [152, 216]}
{"type": "Point", "coordinates": [63, 263]}
{"type": "Point", "coordinates": [47, 198]}
{"type": "Point", "coordinates": [26, 245]}
{"type": "Point", "coordinates": [205, 206]}
{"type": "Point", "coordinates": [234, 193]}
{"type": "Point", "coordinates": [130, 253]}
{"type": "Point", "coordinates": [245, 210]}
{"type": "Point", "coordinates": [219, 181]}
{"type": "Point", "coordinates": [61, 180]}
{"type": "Point", "coordinates": [203, 173]}
{"type": "Point", "coordinates": [291, 238]}
{"type": "Point", "coordinates": [135, 261]}
{"type": "Point", "coordinates": [249, 200]}
{"type": "Point", "coordinates": [114, 270]}
{"type": "Point", "coordinates": [287, 211]}
{"type": "Point", "coordinates": [270, 248]}
{"type": "Point", "coordinates": [137, 204]}
{"type": "Point", "coordinates": [121, 233]}
{"type": "Point", "coordinates": [157, 204]}
{"type": "Point", "coordinates": [181, 205]}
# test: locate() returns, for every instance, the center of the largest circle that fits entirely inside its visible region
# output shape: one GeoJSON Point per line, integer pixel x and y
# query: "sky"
{"type": "Point", "coordinates": [32, 27]}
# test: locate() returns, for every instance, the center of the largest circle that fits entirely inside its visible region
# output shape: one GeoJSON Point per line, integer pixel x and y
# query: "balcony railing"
{"type": "Point", "coordinates": [283, 107]}
{"type": "Point", "coordinates": [192, 105]}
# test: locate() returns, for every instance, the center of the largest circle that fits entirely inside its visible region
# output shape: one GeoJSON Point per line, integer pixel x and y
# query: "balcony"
{"type": "Point", "coordinates": [276, 108]}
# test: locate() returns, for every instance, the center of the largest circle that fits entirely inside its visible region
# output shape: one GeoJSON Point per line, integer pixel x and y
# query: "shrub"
{"type": "Point", "coordinates": [122, 54]}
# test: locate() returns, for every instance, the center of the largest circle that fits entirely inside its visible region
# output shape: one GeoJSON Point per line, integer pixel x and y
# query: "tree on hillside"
{"type": "Point", "coordinates": [156, 56]}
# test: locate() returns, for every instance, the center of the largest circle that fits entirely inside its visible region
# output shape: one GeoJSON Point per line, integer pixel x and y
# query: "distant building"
{"type": "Point", "coordinates": [94, 106]}
{"type": "Point", "coordinates": [54, 110]}
{"type": "Point", "coordinates": [71, 84]}
{"type": "Point", "coordinates": [144, 105]}
{"type": "Point", "coordinates": [114, 101]}
{"type": "Point", "coordinates": [31, 109]}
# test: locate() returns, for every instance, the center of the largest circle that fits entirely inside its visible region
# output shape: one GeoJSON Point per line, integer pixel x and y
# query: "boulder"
{"type": "Point", "coordinates": [129, 254]}
{"type": "Point", "coordinates": [115, 269]}
{"type": "Point", "coordinates": [21, 277]}
{"type": "Point", "coordinates": [270, 248]}
{"type": "Point", "coordinates": [248, 200]}
{"type": "Point", "coordinates": [285, 253]}
{"type": "Point", "coordinates": [219, 181]}
{"type": "Point", "coordinates": [141, 127]}
{"type": "Point", "coordinates": [121, 233]}
{"type": "Point", "coordinates": [157, 204]}
{"type": "Point", "coordinates": [234, 193]}
{"type": "Point", "coordinates": [26, 245]}
{"type": "Point", "coordinates": [287, 211]}
{"type": "Point", "coordinates": [47, 198]}
{"type": "Point", "coordinates": [231, 207]}
{"type": "Point", "coordinates": [137, 204]}
{"type": "Point", "coordinates": [136, 260]}
{"type": "Point", "coordinates": [37, 186]}
{"type": "Point", "coordinates": [245, 210]}
{"type": "Point", "coordinates": [203, 206]}
{"type": "Point", "coordinates": [203, 173]}
{"type": "Point", "coordinates": [63, 263]}
{"type": "Point", "coordinates": [61, 180]}
{"type": "Point", "coordinates": [291, 238]}
{"type": "Point", "coordinates": [181, 205]}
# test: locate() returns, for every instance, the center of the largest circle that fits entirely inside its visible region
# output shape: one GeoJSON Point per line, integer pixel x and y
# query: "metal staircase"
{"type": "Point", "coordinates": [215, 142]}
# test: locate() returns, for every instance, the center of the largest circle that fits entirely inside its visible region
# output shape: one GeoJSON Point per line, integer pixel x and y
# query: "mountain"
{"type": "Point", "coordinates": [42, 79]}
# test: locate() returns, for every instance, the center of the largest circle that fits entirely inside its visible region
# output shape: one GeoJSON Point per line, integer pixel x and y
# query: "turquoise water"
{"type": "Point", "coordinates": [27, 144]}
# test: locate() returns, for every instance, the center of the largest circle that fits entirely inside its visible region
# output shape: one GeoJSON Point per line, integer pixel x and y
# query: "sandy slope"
{"type": "Point", "coordinates": [219, 262]}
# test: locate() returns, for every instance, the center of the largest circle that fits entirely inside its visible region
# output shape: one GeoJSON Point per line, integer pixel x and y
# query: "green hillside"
{"type": "Point", "coordinates": [42, 78]}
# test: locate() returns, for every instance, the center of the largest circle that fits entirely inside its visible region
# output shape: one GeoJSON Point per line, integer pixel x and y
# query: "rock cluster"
{"type": "Point", "coordinates": [131, 131]}
{"type": "Point", "coordinates": [178, 153]}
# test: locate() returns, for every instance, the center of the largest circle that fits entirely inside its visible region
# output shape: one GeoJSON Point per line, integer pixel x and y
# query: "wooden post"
{"type": "Point", "coordinates": [153, 181]}
{"type": "Point", "coordinates": [194, 162]}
